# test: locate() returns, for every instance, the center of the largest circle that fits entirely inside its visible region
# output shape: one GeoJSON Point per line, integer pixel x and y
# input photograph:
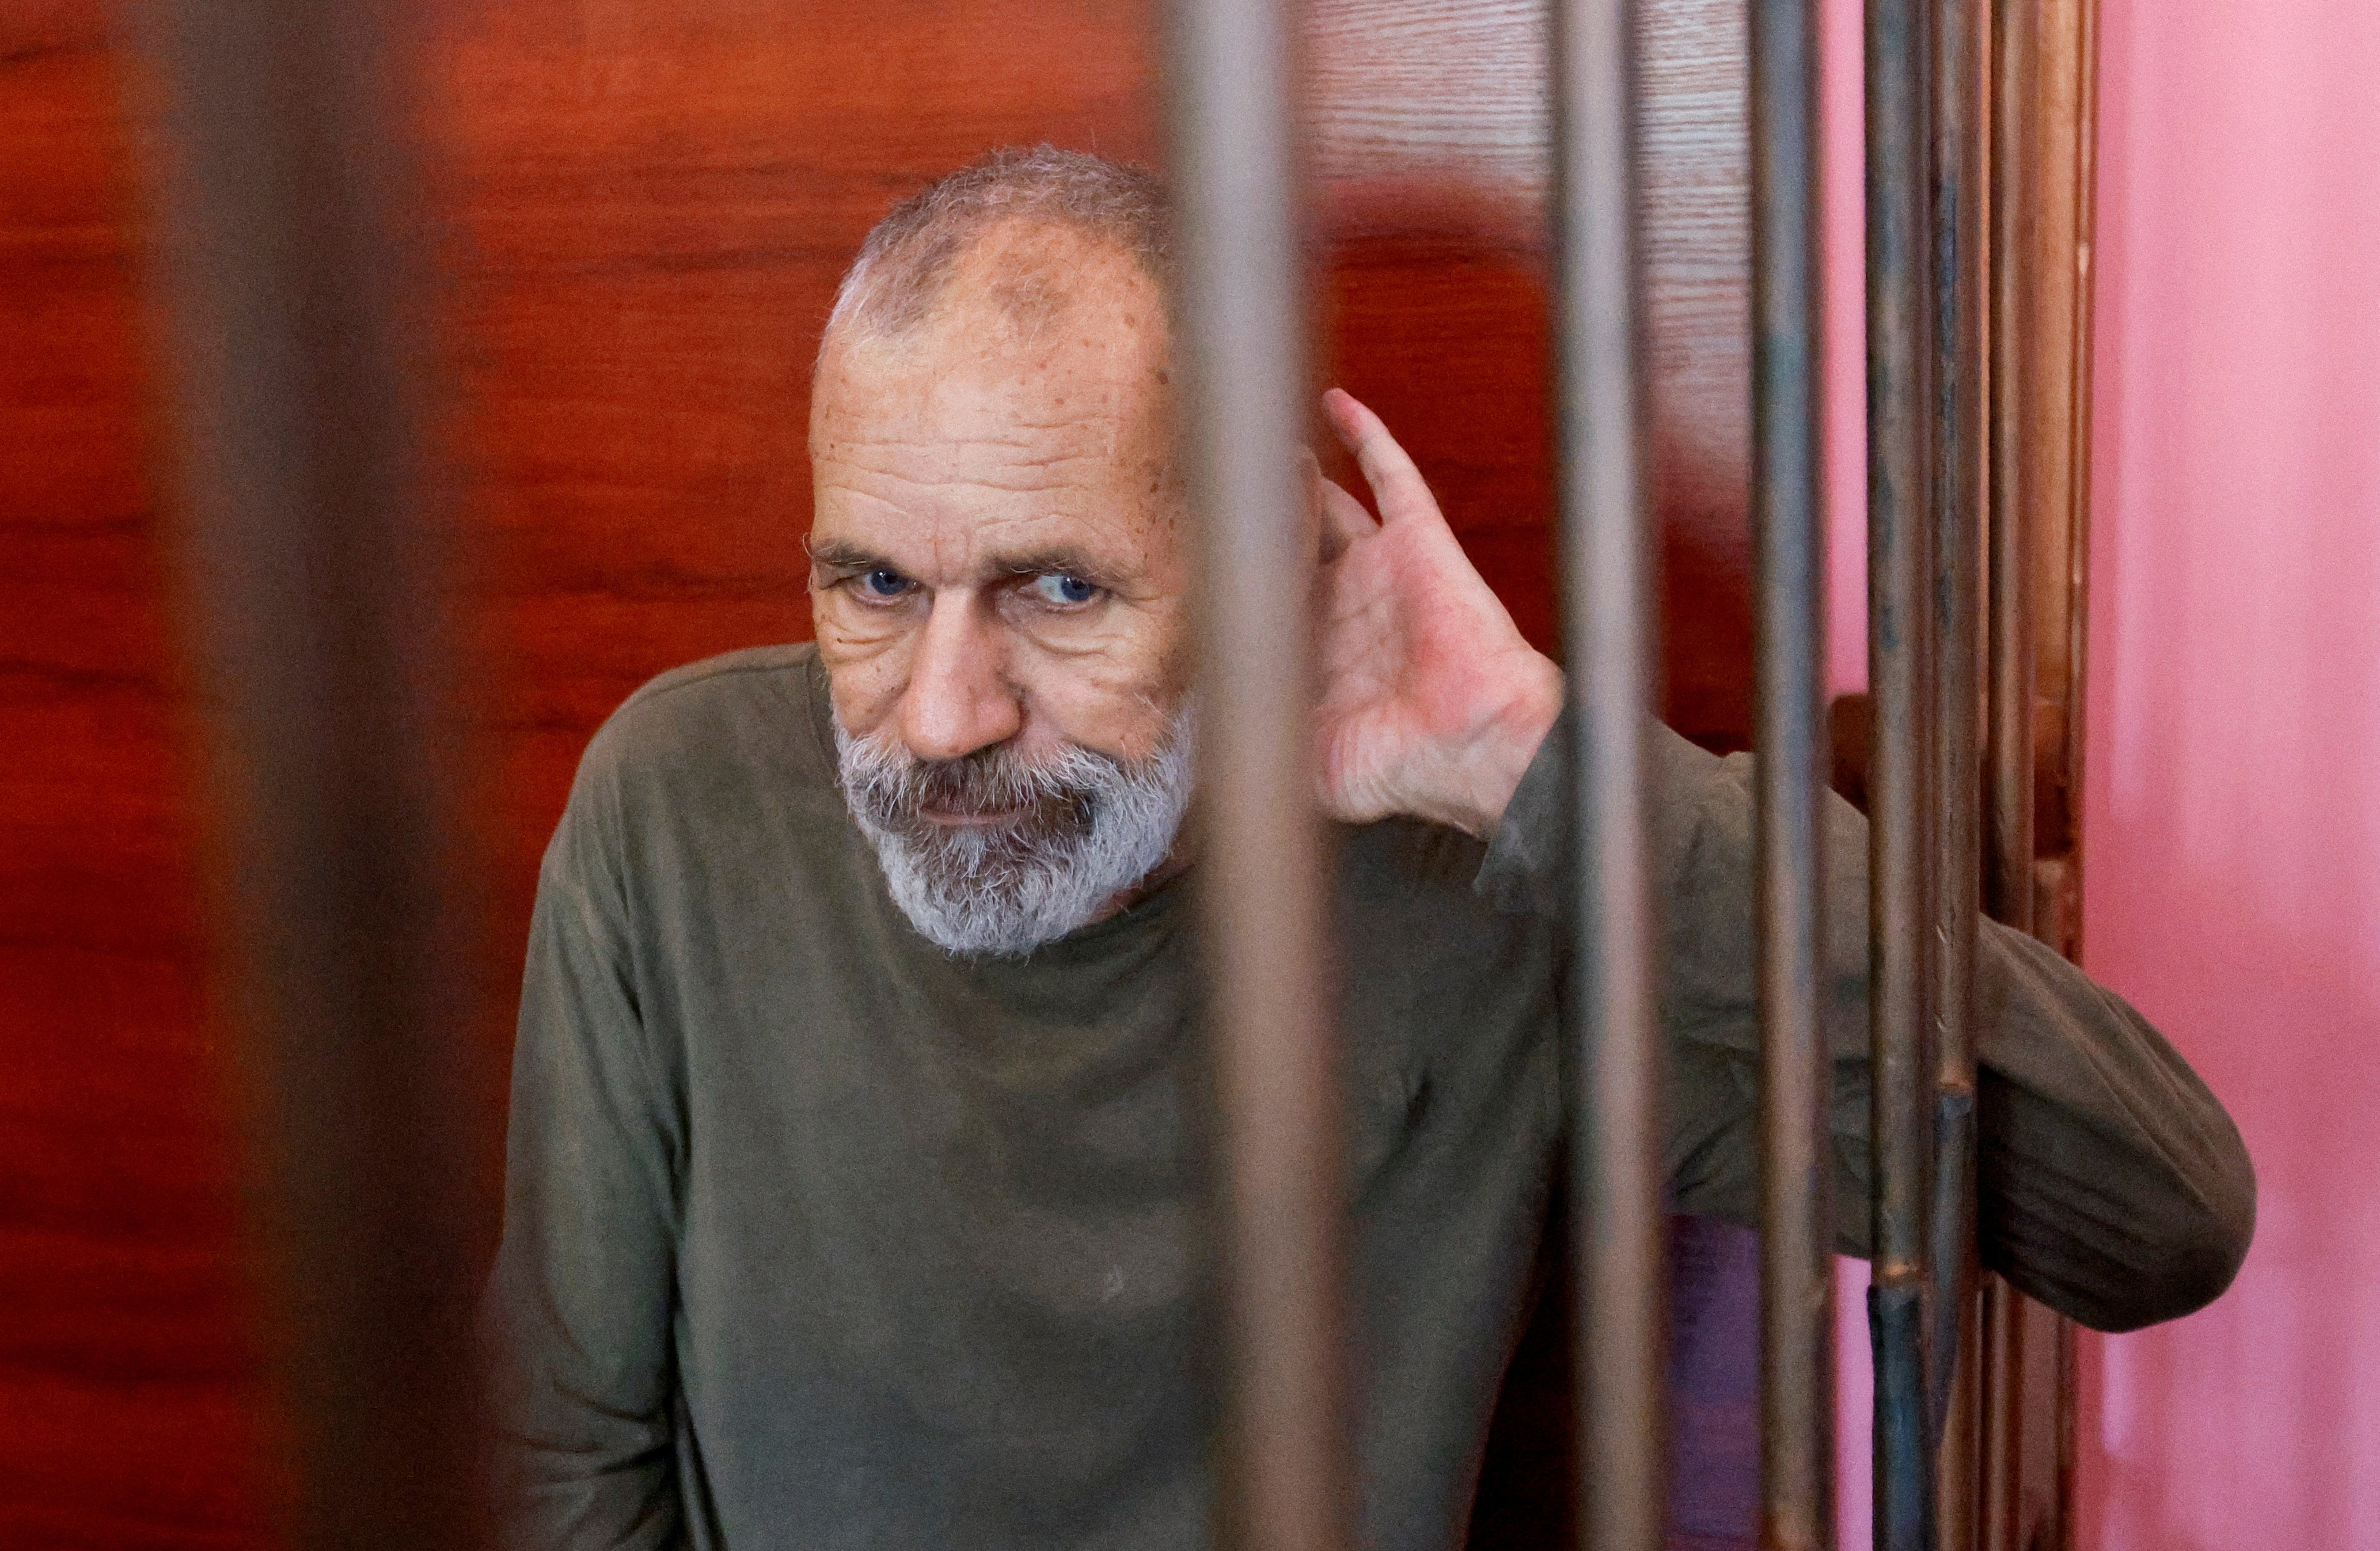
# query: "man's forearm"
{"type": "Point", "coordinates": [2115, 1189]}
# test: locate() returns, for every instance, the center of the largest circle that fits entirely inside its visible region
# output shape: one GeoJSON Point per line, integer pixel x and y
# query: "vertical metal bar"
{"type": "Point", "coordinates": [1958, 466]}
{"type": "Point", "coordinates": [2008, 750]}
{"type": "Point", "coordinates": [2053, 259]}
{"type": "Point", "coordinates": [285, 192]}
{"type": "Point", "coordinates": [1289, 1474]}
{"type": "Point", "coordinates": [2078, 572]}
{"type": "Point", "coordinates": [1789, 533]}
{"type": "Point", "coordinates": [1606, 577]}
{"type": "Point", "coordinates": [2082, 67]}
{"type": "Point", "coordinates": [2007, 874]}
{"type": "Point", "coordinates": [2045, 82]}
{"type": "Point", "coordinates": [1901, 1099]}
{"type": "Point", "coordinates": [2001, 1367]}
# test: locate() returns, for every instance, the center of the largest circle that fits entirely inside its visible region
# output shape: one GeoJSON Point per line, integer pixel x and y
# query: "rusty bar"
{"type": "Point", "coordinates": [2010, 746]}
{"type": "Point", "coordinates": [1789, 532]}
{"type": "Point", "coordinates": [286, 193]}
{"type": "Point", "coordinates": [1959, 450]}
{"type": "Point", "coordinates": [2009, 753]}
{"type": "Point", "coordinates": [1288, 1479]}
{"type": "Point", "coordinates": [2008, 742]}
{"type": "Point", "coordinates": [2066, 1400]}
{"type": "Point", "coordinates": [1901, 1097]}
{"type": "Point", "coordinates": [2044, 155]}
{"type": "Point", "coordinates": [1614, 1049]}
{"type": "Point", "coordinates": [1999, 1375]}
{"type": "Point", "coordinates": [2079, 65]}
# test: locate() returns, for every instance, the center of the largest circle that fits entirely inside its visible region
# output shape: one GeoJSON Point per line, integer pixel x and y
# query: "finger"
{"type": "Point", "coordinates": [1345, 520]}
{"type": "Point", "coordinates": [1396, 485]}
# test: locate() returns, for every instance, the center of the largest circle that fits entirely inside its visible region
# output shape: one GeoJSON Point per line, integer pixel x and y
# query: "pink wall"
{"type": "Point", "coordinates": [2232, 785]}
{"type": "Point", "coordinates": [2232, 790]}
{"type": "Point", "coordinates": [1843, 279]}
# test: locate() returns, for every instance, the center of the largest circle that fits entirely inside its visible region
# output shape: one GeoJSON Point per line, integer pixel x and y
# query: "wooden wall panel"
{"type": "Point", "coordinates": [131, 1402]}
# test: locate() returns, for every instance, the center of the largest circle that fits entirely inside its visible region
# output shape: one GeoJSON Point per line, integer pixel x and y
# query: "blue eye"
{"type": "Point", "coordinates": [885, 582]}
{"type": "Point", "coordinates": [1056, 587]}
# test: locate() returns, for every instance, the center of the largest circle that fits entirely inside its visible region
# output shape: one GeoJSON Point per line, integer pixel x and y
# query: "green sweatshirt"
{"type": "Point", "coordinates": [818, 1236]}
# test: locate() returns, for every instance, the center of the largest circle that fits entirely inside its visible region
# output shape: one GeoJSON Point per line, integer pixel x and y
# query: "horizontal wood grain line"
{"type": "Point", "coordinates": [28, 679]}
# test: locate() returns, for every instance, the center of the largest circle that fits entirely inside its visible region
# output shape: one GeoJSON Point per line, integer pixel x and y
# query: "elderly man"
{"type": "Point", "coordinates": [857, 1185]}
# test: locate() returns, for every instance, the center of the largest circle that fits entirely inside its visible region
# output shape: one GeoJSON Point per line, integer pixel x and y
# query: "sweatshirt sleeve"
{"type": "Point", "coordinates": [2112, 1186]}
{"type": "Point", "coordinates": [579, 1309]}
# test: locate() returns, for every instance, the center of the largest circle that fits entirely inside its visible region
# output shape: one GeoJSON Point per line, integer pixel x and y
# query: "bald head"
{"type": "Point", "coordinates": [1026, 297]}
{"type": "Point", "coordinates": [1036, 210]}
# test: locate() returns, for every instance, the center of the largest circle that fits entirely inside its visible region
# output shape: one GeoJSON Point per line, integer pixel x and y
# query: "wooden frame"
{"type": "Point", "coordinates": [2043, 195]}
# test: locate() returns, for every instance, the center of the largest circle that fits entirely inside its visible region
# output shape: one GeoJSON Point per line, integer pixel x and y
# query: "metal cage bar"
{"type": "Point", "coordinates": [1960, 458]}
{"type": "Point", "coordinates": [1788, 538]}
{"type": "Point", "coordinates": [2042, 143]}
{"type": "Point", "coordinates": [1903, 822]}
{"type": "Point", "coordinates": [1613, 1043]}
{"type": "Point", "coordinates": [1288, 1466]}
{"type": "Point", "coordinates": [305, 546]}
{"type": "Point", "coordinates": [2008, 876]}
{"type": "Point", "coordinates": [2008, 742]}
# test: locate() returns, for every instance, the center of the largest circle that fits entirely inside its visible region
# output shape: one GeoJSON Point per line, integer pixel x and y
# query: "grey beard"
{"type": "Point", "coordinates": [1094, 826]}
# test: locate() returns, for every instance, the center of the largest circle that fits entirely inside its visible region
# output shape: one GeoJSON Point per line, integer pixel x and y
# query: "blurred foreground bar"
{"type": "Point", "coordinates": [313, 603]}
{"type": "Point", "coordinates": [1613, 1072]}
{"type": "Point", "coordinates": [1289, 1474]}
{"type": "Point", "coordinates": [1797, 1380]}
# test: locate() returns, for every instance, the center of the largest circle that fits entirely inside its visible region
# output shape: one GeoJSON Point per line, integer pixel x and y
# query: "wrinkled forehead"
{"type": "Point", "coordinates": [1030, 329]}
{"type": "Point", "coordinates": [996, 414]}
{"type": "Point", "coordinates": [1084, 396]}
{"type": "Point", "coordinates": [1098, 362]}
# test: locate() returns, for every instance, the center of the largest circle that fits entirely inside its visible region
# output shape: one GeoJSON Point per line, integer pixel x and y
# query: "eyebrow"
{"type": "Point", "coordinates": [838, 554]}
{"type": "Point", "coordinates": [1060, 561]}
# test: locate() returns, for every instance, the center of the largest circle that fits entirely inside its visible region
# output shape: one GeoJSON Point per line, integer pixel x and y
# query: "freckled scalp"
{"type": "Point", "coordinates": [1037, 212]}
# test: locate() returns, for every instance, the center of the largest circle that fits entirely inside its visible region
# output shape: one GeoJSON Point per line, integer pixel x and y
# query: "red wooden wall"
{"type": "Point", "coordinates": [641, 210]}
{"type": "Point", "coordinates": [130, 1400]}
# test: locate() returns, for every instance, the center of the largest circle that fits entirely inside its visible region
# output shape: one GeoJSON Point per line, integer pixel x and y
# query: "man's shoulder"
{"type": "Point", "coordinates": [754, 673]}
{"type": "Point", "coordinates": [759, 707]}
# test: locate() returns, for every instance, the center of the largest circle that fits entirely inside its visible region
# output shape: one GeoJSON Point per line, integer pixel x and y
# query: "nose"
{"type": "Point", "coordinates": [958, 697]}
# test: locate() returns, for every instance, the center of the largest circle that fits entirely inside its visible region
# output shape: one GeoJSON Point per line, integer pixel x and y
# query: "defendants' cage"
{"type": "Point", "coordinates": [298, 462]}
{"type": "Point", "coordinates": [1940, 428]}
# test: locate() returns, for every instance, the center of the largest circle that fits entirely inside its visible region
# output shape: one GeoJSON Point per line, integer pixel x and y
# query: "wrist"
{"type": "Point", "coordinates": [1519, 716]}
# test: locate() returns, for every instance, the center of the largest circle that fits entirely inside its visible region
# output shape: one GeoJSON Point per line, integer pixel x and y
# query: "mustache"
{"type": "Point", "coordinates": [1059, 832]}
{"type": "Point", "coordinates": [1049, 797]}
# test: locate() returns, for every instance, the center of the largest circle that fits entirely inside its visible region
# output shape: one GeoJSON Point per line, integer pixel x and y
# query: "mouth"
{"type": "Point", "coordinates": [952, 818]}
